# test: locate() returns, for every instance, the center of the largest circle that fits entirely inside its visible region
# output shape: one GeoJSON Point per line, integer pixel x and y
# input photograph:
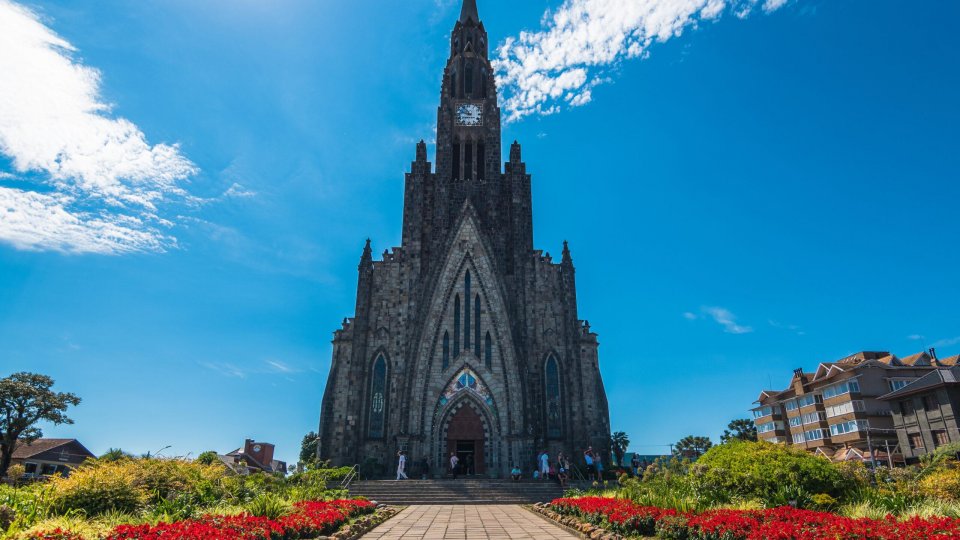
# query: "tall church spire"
{"type": "Point", "coordinates": [469, 11]}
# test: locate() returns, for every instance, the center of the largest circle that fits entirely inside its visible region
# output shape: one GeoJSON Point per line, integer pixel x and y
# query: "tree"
{"type": "Point", "coordinates": [308, 448]}
{"type": "Point", "coordinates": [208, 458]}
{"type": "Point", "coordinates": [115, 454]}
{"type": "Point", "coordinates": [619, 442]}
{"type": "Point", "coordinates": [25, 399]}
{"type": "Point", "coordinates": [741, 429]}
{"type": "Point", "coordinates": [692, 446]}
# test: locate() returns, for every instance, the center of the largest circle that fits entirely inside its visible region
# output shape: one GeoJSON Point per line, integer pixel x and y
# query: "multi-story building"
{"type": "Point", "coordinates": [836, 411]}
{"type": "Point", "coordinates": [925, 411]}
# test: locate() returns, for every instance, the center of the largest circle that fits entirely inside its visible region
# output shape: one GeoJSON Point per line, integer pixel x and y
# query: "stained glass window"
{"type": "Point", "coordinates": [378, 397]}
{"type": "Point", "coordinates": [552, 374]}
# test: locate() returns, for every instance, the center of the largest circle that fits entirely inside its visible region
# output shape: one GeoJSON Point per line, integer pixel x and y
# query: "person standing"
{"type": "Point", "coordinates": [424, 468]}
{"type": "Point", "coordinates": [454, 464]}
{"type": "Point", "coordinates": [468, 465]}
{"type": "Point", "coordinates": [545, 465]}
{"type": "Point", "coordinates": [635, 463]}
{"type": "Point", "coordinates": [598, 463]}
{"type": "Point", "coordinates": [588, 458]}
{"type": "Point", "coordinates": [402, 465]}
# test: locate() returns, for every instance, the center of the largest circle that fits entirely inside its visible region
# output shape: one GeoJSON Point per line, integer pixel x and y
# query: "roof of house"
{"type": "Point", "coordinates": [934, 379]}
{"type": "Point", "coordinates": [950, 360]}
{"type": "Point", "coordinates": [39, 446]}
{"type": "Point", "coordinates": [918, 359]}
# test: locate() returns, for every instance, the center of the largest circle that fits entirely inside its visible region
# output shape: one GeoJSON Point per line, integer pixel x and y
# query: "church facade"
{"type": "Point", "coordinates": [465, 338]}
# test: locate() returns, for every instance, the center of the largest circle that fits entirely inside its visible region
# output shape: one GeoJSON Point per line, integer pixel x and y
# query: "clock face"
{"type": "Point", "coordinates": [469, 114]}
{"type": "Point", "coordinates": [257, 448]}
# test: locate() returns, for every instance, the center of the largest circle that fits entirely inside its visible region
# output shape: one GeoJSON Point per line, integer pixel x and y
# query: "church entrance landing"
{"type": "Point", "coordinates": [465, 437]}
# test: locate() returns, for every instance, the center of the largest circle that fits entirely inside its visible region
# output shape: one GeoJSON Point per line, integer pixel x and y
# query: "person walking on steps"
{"type": "Point", "coordinates": [402, 465]}
{"type": "Point", "coordinates": [454, 464]}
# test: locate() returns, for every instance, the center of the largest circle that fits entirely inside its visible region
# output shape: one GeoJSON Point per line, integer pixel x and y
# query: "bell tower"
{"type": "Point", "coordinates": [468, 119]}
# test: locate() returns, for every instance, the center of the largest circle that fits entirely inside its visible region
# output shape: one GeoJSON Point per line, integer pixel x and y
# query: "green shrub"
{"type": "Point", "coordinates": [823, 502]}
{"type": "Point", "coordinates": [269, 506]}
{"type": "Point", "coordinates": [762, 470]}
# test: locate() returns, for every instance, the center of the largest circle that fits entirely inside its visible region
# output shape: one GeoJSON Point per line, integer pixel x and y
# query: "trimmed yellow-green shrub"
{"type": "Point", "coordinates": [942, 484]}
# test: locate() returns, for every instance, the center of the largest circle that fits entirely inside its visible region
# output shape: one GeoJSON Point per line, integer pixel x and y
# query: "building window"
{"type": "Point", "coordinates": [930, 403]}
{"type": "Point", "coordinates": [792, 405]}
{"type": "Point", "coordinates": [940, 438]}
{"type": "Point", "coordinates": [468, 161]}
{"type": "Point", "coordinates": [849, 427]}
{"type": "Point", "coordinates": [809, 399]}
{"type": "Point", "coordinates": [812, 418]}
{"type": "Point", "coordinates": [468, 80]}
{"type": "Point", "coordinates": [847, 387]}
{"type": "Point", "coordinates": [480, 164]}
{"type": "Point", "coordinates": [488, 352]}
{"type": "Point", "coordinates": [796, 421]}
{"type": "Point", "coordinates": [467, 328]}
{"type": "Point", "coordinates": [552, 374]}
{"type": "Point", "coordinates": [906, 407]}
{"type": "Point", "coordinates": [845, 408]}
{"type": "Point", "coordinates": [476, 326]}
{"type": "Point", "coordinates": [767, 427]}
{"type": "Point", "coordinates": [446, 349]}
{"type": "Point", "coordinates": [456, 159]}
{"type": "Point", "coordinates": [916, 441]}
{"type": "Point", "coordinates": [378, 397]}
{"type": "Point", "coordinates": [762, 412]}
{"type": "Point", "coordinates": [456, 327]}
{"type": "Point", "coordinates": [896, 385]}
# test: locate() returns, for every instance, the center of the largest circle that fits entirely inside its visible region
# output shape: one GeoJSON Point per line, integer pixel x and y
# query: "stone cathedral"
{"type": "Point", "coordinates": [466, 339]}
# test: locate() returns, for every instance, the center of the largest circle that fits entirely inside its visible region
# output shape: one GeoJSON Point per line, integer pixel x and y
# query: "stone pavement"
{"type": "Point", "coordinates": [481, 522]}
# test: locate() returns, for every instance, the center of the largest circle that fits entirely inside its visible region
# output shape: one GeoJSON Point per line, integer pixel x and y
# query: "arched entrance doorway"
{"type": "Point", "coordinates": [465, 437]}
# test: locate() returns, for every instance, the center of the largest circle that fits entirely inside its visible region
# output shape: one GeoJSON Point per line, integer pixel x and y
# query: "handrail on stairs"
{"type": "Point", "coordinates": [350, 477]}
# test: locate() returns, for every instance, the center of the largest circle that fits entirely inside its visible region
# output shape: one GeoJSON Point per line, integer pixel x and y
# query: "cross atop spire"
{"type": "Point", "coordinates": [469, 11]}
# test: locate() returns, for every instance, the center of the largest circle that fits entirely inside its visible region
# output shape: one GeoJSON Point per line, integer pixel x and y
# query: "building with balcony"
{"type": "Point", "coordinates": [836, 410]}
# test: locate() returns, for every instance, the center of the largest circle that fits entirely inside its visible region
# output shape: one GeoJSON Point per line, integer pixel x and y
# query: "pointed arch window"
{"type": "Point", "coordinates": [468, 80]}
{"type": "Point", "coordinates": [378, 397]}
{"type": "Point", "coordinates": [488, 351]}
{"type": "Point", "coordinates": [476, 326]}
{"type": "Point", "coordinates": [552, 383]}
{"type": "Point", "coordinates": [466, 311]}
{"type": "Point", "coordinates": [446, 349]}
{"type": "Point", "coordinates": [456, 326]}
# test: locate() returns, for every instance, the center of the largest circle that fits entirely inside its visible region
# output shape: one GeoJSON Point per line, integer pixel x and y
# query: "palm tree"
{"type": "Point", "coordinates": [619, 442]}
{"type": "Point", "coordinates": [692, 446]}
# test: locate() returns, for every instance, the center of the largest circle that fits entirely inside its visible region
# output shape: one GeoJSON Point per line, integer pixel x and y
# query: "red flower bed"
{"type": "Point", "coordinates": [785, 523]}
{"type": "Point", "coordinates": [309, 520]}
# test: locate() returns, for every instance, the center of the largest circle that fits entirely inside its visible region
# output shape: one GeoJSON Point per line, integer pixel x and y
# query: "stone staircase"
{"type": "Point", "coordinates": [459, 491]}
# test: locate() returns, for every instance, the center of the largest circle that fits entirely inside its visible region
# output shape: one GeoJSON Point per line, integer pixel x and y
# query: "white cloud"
{"type": "Point", "coordinates": [237, 191]}
{"type": "Point", "coordinates": [947, 342]}
{"type": "Point", "coordinates": [915, 337]}
{"type": "Point", "coordinates": [539, 71]}
{"type": "Point", "coordinates": [726, 319]}
{"type": "Point", "coordinates": [95, 182]}
{"type": "Point", "coordinates": [690, 316]}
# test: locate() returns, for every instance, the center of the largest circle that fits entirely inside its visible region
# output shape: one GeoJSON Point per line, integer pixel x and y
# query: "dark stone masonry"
{"type": "Point", "coordinates": [466, 339]}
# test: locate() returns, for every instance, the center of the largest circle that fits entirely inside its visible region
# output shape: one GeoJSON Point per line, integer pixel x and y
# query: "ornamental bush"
{"type": "Point", "coordinates": [942, 484]}
{"type": "Point", "coordinates": [762, 470]}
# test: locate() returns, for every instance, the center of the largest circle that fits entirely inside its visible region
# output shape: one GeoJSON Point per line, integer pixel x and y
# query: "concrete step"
{"type": "Point", "coordinates": [450, 491]}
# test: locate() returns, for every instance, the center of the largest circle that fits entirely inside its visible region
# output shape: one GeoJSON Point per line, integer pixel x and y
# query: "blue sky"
{"type": "Point", "coordinates": [758, 193]}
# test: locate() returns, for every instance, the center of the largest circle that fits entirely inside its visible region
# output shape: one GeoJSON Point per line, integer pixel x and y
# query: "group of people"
{"type": "Point", "coordinates": [558, 470]}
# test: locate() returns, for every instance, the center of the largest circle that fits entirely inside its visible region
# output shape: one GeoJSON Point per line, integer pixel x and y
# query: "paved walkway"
{"type": "Point", "coordinates": [481, 522]}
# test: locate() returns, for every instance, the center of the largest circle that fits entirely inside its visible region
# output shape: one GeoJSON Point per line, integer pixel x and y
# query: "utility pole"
{"type": "Point", "coordinates": [873, 465]}
{"type": "Point", "coordinates": [889, 455]}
